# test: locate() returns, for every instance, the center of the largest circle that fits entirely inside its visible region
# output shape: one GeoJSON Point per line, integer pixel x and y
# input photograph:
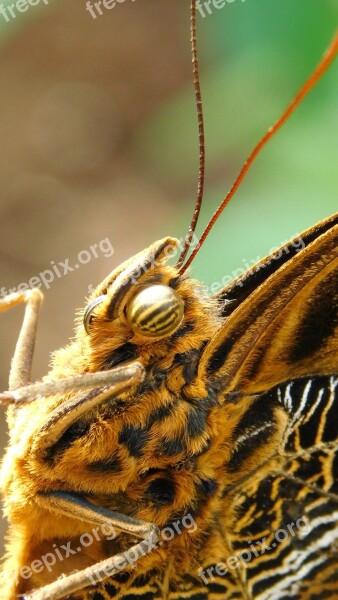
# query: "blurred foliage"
{"type": "Point", "coordinates": [14, 25]}
{"type": "Point", "coordinates": [254, 57]}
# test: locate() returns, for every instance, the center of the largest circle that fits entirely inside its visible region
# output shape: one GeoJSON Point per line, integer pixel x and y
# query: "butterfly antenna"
{"type": "Point", "coordinates": [327, 59]}
{"type": "Point", "coordinates": [199, 107]}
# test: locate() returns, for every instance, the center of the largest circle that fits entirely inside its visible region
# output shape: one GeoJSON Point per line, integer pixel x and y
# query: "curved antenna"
{"type": "Point", "coordinates": [198, 97]}
{"type": "Point", "coordinates": [305, 89]}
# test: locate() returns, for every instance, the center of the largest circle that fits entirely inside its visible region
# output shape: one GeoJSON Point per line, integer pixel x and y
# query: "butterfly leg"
{"type": "Point", "coordinates": [76, 507]}
{"type": "Point", "coordinates": [103, 385]}
{"type": "Point", "coordinates": [31, 392]}
{"type": "Point", "coordinates": [21, 367]}
{"type": "Point", "coordinates": [72, 409]}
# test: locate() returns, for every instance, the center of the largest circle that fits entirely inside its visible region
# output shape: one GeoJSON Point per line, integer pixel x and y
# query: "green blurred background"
{"type": "Point", "coordinates": [99, 139]}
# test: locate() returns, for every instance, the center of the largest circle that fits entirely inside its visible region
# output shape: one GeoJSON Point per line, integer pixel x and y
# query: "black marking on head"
{"type": "Point", "coordinates": [107, 465]}
{"type": "Point", "coordinates": [98, 596]}
{"type": "Point", "coordinates": [160, 413]}
{"type": "Point", "coordinates": [319, 320]}
{"type": "Point", "coordinates": [208, 487]}
{"type": "Point", "coordinates": [161, 491]}
{"type": "Point", "coordinates": [121, 355]}
{"type": "Point", "coordinates": [181, 332]}
{"type": "Point", "coordinates": [152, 382]}
{"type": "Point", "coordinates": [196, 423]}
{"type": "Point", "coordinates": [212, 399]}
{"type": "Point", "coordinates": [172, 447]}
{"type": "Point", "coordinates": [173, 283]}
{"type": "Point", "coordinates": [189, 361]}
{"type": "Point", "coordinates": [110, 589]}
{"type": "Point", "coordinates": [122, 577]}
{"type": "Point", "coordinates": [135, 438]}
{"type": "Point", "coordinates": [140, 596]}
{"type": "Point", "coordinates": [76, 431]}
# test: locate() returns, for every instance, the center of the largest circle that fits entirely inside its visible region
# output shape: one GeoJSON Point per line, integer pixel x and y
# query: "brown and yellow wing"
{"type": "Point", "coordinates": [285, 323]}
{"type": "Point", "coordinates": [277, 354]}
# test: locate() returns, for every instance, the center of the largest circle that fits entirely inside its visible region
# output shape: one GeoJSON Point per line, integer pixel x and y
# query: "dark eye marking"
{"type": "Point", "coordinates": [181, 332]}
{"type": "Point", "coordinates": [76, 431]}
{"type": "Point", "coordinates": [122, 577]}
{"type": "Point", "coordinates": [172, 447]}
{"type": "Point", "coordinates": [98, 596]}
{"type": "Point", "coordinates": [208, 487]}
{"type": "Point", "coordinates": [134, 438]}
{"type": "Point", "coordinates": [107, 465]}
{"type": "Point", "coordinates": [197, 422]}
{"type": "Point", "coordinates": [126, 352]}
{"type": "Point", "coordinates": [160, 413]}
{"type": "Point", "coordinates": [161, 491]}
{"type": "Point", "coordinates": [173, 283]}
{"type": "Point", "coordinates": [189, 361]}
{"type": "Point", "coordinates": [110, 589]}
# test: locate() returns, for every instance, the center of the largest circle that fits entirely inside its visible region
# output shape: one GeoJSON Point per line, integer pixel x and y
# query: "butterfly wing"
{"type": "Point", "coordinates": [277, 352]}
{"type": "Point", "coordinates": [286, 510]}
{"type": "Point", "coordinates": [287, 326]}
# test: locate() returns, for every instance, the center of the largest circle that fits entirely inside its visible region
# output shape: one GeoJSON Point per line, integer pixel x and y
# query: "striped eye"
{"type": "Point", "coordinates": [156, 311]}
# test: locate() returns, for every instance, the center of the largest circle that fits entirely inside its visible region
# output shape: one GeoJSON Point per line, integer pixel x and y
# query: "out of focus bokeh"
{"type": "Point", "coordinates": [99, 148]}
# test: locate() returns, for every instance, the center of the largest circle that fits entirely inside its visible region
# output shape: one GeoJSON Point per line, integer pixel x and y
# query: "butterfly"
{"type": "Point", "coordinates": [183, 445]}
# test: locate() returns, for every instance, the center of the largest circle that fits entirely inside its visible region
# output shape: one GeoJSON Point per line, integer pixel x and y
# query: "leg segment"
{"type": "Point", "coordinates": [79, 508]}
{"type": "Point", "coordinates": [117, 380]}
{"type": "Point", "coordinates": [21, 367]}
{"type": "Point", "coordinates": [28, 393]}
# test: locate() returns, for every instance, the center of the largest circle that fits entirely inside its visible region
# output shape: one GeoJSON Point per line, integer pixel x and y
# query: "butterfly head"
{"type": "Point", "coordinates": [138, 309]}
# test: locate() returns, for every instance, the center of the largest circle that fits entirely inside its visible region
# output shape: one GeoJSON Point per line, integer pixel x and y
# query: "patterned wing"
{"type": "Point", "coordinates": [273, 361]}
{"type": "Point", "coordinates": [286, 527]}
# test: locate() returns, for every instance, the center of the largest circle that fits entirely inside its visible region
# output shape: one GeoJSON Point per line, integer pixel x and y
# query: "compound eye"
{"type": "Point", "coordinates": [156, 311]}
{"type": "Point", "coordinates": [88, 316]}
